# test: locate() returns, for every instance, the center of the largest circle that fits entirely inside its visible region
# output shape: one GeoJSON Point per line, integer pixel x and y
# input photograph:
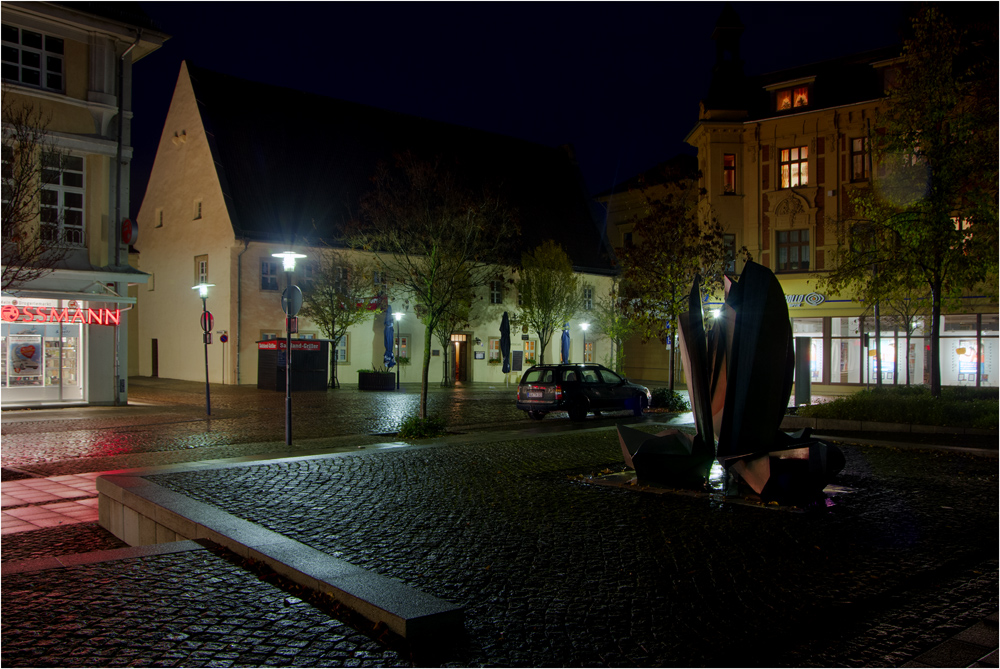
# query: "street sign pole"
{"type": "Point", "coordinates": [206, 327]}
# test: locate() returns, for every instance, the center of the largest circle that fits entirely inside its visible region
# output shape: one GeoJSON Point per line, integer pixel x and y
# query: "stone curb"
{"type": "Point", "coordinates": [799, 422]}
{"type": "Point", "coordinates": [140, 513]}
{"type": "Point", "coordinates": [94, 557]}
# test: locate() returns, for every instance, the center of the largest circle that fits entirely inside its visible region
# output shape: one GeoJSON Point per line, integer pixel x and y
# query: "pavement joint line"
{"type": "Point", "coordinates": [155, 510]}
{"type": "Point", "coordinates": [96, 557]}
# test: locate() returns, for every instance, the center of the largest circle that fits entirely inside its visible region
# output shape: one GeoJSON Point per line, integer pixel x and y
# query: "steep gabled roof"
{"type": "Point", "coordinates": [294, 166]}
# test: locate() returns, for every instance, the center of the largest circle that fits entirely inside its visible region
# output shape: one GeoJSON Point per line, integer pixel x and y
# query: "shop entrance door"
{"type": "Point", "coordinates": [156, 358]}
{"type": "Point", "coordinates": [460, 355]}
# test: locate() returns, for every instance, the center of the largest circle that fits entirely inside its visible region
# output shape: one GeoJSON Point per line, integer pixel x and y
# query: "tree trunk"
{"type": "Point", "coordinates": [445, 371]}
{"type": "Point", "coordinates": [878, 347]}
{"type": "Point", "coordinates": [428, 333]}
{"type": "Point", "coordinates": [543, 343]}
{"type": "Point", "coordinates": [908, 331]}
{"type": "Point", "coordinates": [333, 367]}
{"type": "Point", "coordinates": [936, 339]}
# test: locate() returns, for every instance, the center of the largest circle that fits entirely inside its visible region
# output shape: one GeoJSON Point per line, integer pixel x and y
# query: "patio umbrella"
{"type": "Point", "coordinates": [565, 343]}
{"type": "Point", "coordinates": [389, 331]}
{"type": "Point", "coordinates": [505, 342]}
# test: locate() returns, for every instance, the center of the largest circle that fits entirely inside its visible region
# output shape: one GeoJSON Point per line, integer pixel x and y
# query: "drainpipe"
{"type": "Point", "coordinates": [239, 305]}
{"type": "Point", "coordinates": [116, 228]}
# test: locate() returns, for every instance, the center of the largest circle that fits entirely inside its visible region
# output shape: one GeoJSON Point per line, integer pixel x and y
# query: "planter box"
{"type": "Point", "coordinates": [376, 381]}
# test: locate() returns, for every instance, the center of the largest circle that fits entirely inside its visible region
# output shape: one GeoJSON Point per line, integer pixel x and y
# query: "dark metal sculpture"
{"type": "Point", "coordinates": [739, 381]}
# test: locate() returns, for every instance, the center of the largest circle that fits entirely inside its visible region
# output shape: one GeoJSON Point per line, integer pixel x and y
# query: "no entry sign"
{"type": "Point", "coordinates": [207, 321]}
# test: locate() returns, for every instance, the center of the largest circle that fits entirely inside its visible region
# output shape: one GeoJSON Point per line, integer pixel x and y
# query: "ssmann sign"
{"type": "Point", "coordinates": [28, 314]}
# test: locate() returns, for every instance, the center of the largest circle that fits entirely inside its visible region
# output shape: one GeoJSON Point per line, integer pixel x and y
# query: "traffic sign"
{"type": "Point", "coordinates": [291, 300]}
{"type": "Point", "coordinates": [207, 321]}
{"type": "Point", "coordinates": [130, 232]}
{"type": "Point", "coordinates": [224, 338]}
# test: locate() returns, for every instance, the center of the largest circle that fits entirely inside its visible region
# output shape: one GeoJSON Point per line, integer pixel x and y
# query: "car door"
{"type": "Point", "coordinates": [616, 393]}
{"type": "Point", "coordinates": [593, 387]}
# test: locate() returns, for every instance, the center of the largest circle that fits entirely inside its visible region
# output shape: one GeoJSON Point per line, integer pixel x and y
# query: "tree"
{"type": "Point", "coordinates": [338, 296]}
{"type": "Point", "coordinates": [674, 245]}
{"type": "Point", "coordinates": [549, 292]}
{"type": "Point", "coordinates": [434, 237]}
{"type": "Point", "coordinates": [931, 214]}
{"type": "Point", "coordinates": [614, 323]}
{"type": "Point", "coordinates": [31, 164]}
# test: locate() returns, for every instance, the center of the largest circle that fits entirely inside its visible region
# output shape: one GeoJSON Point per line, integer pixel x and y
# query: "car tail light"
{"type": "Point", "coordinates": [558, 392]}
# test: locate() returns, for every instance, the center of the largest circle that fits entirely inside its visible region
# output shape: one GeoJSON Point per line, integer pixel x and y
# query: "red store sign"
{"type": "Point", "coordinates": [15, 314]}
{"type": "Point", "coordinates": [297, 345]}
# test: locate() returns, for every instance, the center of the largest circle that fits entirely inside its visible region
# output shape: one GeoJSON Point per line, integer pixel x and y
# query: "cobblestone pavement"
{"type": "Point", "coordinates": [557, 572]}
{"type": "Point", "coordinates": [552, 570]}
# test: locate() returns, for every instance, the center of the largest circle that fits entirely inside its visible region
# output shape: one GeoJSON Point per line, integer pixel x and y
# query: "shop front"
{"type": "Point", "coordinates": [49, 347]}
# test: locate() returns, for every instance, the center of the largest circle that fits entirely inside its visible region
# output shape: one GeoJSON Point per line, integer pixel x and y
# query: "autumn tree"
{"type": "Point", "coordinates": [673, 245]}
{"type": "Point", "coordinates": [548, 291]}
{"type": "Point", "coordinates": [434, 236]}
{"type": "Point", "coordinates": [930, 216]}
{"type": "Point", "coordinates": [339, 295]}
{"type": "Point", "coordinates": [31, 163]}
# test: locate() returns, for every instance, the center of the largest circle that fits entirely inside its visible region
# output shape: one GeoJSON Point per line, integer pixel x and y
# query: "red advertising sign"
{"type": "Point", "coordinates": [297, 345]}
{"type": "Point", "coordinates": [14, 314]}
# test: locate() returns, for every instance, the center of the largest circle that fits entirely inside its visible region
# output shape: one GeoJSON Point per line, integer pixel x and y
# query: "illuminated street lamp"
{"type": "Point", "coordinates": [206, 335]}
{"type": "Point", "coordinates": [584, 327]}
{"type": "Point", "coordinates": [291, 302]}
{"type": "Point", "coordinates": [398, 315]}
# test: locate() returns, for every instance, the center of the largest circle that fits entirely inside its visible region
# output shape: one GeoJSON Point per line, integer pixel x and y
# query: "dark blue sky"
{"type": "Point", "coordinates": [619, 81]}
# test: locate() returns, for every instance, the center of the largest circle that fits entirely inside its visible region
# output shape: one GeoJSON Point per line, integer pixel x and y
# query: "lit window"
{"type": "Point", "coordinates": [200, 269]}
{"type": "Point", "coordinates": [529, 352]}
{"type": "Point", "coordinates": [795, 167]}
{"type": "Point", "coordinates": [32, 59]}
{"type": "Point", "coordinates": [403, 345]}
{"type": "Point", "coordinates": [793, 250]}
{"type": "Point", "coordinates": [859, 159]}
{"type": "Point", "coordinates": [494, 352]}
{"type": "Point", "coordinates": [268, 274]}
{"type": "Point", "coordinates": [792, 97]}
{"type": "Point", "coordinates": [588, 351]}
{"type": "Point", "coordinates": [729, 172]}
{"type": "Point", "coordinates": [588, 298]}
{"type": "Point", "coordinates": [496, 292]}
{"type": "Point", "coordinates": [61, 202]}
{"type": "Point", "coordinates": [340, 351]}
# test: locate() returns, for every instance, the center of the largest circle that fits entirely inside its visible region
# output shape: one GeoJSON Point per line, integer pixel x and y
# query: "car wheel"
{"type": "Point", "coordinates": [577, 413]}
{"type": "Point", "coordinates": [641, 406]}
{"type": "Point", "coordinates": [536, 415]}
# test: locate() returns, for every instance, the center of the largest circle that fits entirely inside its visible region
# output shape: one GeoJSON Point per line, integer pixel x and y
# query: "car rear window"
{"type": "Point", "coordinates": [538, 376]}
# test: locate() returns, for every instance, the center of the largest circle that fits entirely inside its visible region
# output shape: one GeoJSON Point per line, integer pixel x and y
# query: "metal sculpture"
{"type": "Point", "coordinates": [739, 381]}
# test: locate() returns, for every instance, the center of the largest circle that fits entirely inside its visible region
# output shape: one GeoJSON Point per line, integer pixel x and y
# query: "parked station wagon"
{"type": "Point", "coordinates": [578, 389]}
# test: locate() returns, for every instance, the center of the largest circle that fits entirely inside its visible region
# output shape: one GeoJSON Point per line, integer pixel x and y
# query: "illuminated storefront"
{"type": "Point", "coordinates": [46, 348]}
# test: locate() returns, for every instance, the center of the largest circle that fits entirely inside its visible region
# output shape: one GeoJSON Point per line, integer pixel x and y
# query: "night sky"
{"type": "Point", "coordinates": [618, 81]}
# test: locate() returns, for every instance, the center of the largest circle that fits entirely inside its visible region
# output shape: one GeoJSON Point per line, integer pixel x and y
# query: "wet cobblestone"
{"type": "Point", "coordinates": [556, 572]}
{"type": "Point", "coordinates": [179, 610]}
{"type": "Point", "coordinates": [56, 541]}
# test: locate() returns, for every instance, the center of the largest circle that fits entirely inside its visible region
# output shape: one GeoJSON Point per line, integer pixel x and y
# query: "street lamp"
{"type": "Point", "coordinates": [291, 302]}
{"type": "Point", "coordinates": [206, 335]}
{"type": "Point", "coordinates": [398, 315]}
{"type": "Point", "coordinates": [584, 326]}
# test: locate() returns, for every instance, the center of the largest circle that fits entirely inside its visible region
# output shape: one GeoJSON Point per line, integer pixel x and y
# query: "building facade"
{"type": "Point", "coordinates": [778, 157]}
{"type": "Point", "coordinates": [244, 171]}
{"type": "Point", "coordinates": [65, 333]}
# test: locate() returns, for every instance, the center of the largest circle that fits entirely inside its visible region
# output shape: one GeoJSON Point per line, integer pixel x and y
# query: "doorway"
{"type": "Point", "coordinates": [156, 359]}
{"type": "Point", "coordinates": [460, 357]}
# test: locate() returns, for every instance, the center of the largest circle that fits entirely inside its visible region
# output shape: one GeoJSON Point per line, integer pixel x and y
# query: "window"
{"type": "Point", "coordinates": [628, 239]}
{"type": "Point", "coordinates": [307, 275]}
{"type": "Point", "coordinates": [197, 209]}
{"type": "Point", "coordinates": [588, 351]}
{"type": "Point", "coordinates": [340, 350]}
{"type": "Point", "coordinates": [267, 336]}
{"type": "Point", "coordinates": [307, 335]}
{"type": "Point", "coordinates": [729, 249]}
{"type": "Point", "coordinates": [496, 291]}
{"type": "Point", "coordinates": [793, 97]}
{"type": "Point", "coordinates": [588, 298]}
{"type": "Point", "coordinates": [494, 349]}
{"type": "Point", "coordinates": [200, 269]}
{"type": "Point", "coordinates": [859, 159]}
{"type": "Point", "coordinates": [32, 59]}
{"type": "Point", "coordinates": [340, 284]}
{"type": "Point", "coordinates": [795, 167]}
{"type": "Point", "coordinates": [529, 352]}
{"type": "Point", "coordinates": [793, 250]}
{"type": "Point", "coordinates": [402, 345]}
{"type": "Point", "coordinates": [61, 206]}
{"type": "Point", "coordinates": [379, 283]}
{"type": "Point", "coordinates": [268, 274]}
{"type": "Point", "coordinates": [729, 173]}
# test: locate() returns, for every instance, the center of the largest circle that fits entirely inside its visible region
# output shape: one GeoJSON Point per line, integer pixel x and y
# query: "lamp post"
{"type": "Point", "coordinates": [398, 316]}
{"type": "Point", "coordinates": [584, 327]}
{"type": "Point", "coordinates": [206, 336]}
{"type": "Point", "coordinates": [291, 302]}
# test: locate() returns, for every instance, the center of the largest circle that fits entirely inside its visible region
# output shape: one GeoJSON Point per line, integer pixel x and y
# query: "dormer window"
{"type": "Point", "coordinates": [789, 98]}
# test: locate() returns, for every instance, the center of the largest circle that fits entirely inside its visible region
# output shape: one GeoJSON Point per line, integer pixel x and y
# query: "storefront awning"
{"type": "Point", "coordinates": [70, 295]}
